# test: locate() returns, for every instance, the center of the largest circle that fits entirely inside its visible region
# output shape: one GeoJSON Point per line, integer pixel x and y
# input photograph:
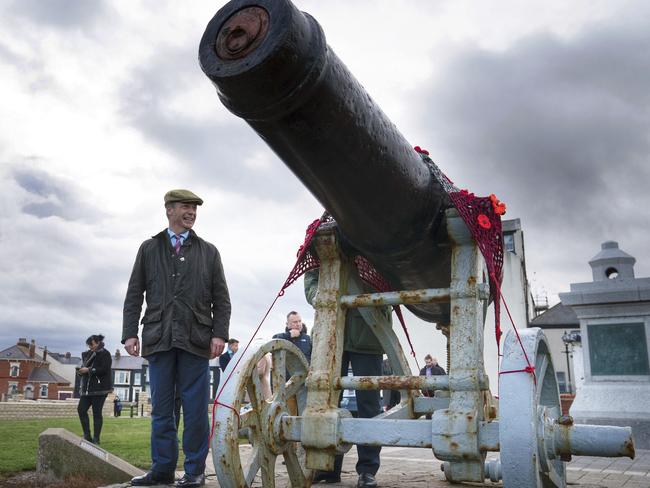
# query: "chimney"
{"type": "Point", "coordinates": [68, 355]}
{"type": "Point", "coordinates": [117, 354]}
{"type": "Point", "coordinates": [22, 342]}
{"type": "Point", "coordinates": [45, 353]}
{"type": "Point", "coordinates": [32, 349]}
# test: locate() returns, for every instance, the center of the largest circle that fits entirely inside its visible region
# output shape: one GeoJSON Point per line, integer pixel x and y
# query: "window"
{"type": "Point", "coordinates": [509, 242]}
{"type": "Point", "coordinates": [122, 394]}
{"type": "Point", "coordinates": [44, 391]}
{"type": "Point", "coordinates": [561, 381]}
{"type": "Point", "coordinates": [13, 388]}
{"type": "Point", "coordinates": [14, 370]}
{"type": "Point", "coordinates": [136, 378]}
{"type": "Point", "coordinates": [122, 377]}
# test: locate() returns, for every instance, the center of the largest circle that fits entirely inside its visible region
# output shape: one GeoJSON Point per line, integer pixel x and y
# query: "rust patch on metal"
{"type": "Point", "coordinates": [565, 420]}
{"type": "Point", "coordinates": [242, 33]}
{"type": "Point", "coordinates": [489, 447]}
{"type": "Point", "coordinates": [471, 281]}
{"type": "Point", "coordinates": [628, 449]}
{"type": "Point", "coordinates": [453, 446]}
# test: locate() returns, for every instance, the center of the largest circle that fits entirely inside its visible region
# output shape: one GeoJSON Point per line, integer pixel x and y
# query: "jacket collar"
{"type": "Point", "coordinates": [165, 236]}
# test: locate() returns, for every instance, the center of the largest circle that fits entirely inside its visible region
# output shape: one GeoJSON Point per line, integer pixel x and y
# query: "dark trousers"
{"type": "Point", "coordinates": [368, 406]}
{"type": "Point", "coordinates": [186, 373]}
{"type": "Point", "coordinates": [97, 403]}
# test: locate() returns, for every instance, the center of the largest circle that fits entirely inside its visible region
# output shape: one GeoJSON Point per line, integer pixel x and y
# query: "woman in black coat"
{"type": "Point", "coordinates": [96, 384]}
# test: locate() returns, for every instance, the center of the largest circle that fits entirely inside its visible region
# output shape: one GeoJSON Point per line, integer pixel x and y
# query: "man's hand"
{"type": "Point", "coordinates": [216, 347]}
{"type": "Point", "coordinates": [132, 346]}
{"type": "Point", "coordinates": [83, 370]}
{"type": "Point", "coordinates": [294, 333]}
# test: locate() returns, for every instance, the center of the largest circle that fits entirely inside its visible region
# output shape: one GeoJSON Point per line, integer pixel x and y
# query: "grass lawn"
{"type": "Point", "coordinates": [127, 438]}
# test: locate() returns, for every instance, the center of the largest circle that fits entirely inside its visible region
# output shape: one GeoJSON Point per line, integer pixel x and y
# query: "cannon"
{"type": "Point", "coordinates": [272, 67]}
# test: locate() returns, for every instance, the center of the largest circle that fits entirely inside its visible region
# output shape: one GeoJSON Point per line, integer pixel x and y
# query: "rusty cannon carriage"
{"type": "Point", "coordinates": [272, 67]}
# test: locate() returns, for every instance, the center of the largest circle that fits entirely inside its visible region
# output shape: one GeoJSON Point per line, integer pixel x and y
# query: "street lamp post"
{"type": "Point", "coordinates": [569, 338]}
{"type": "Point", "coordinates": [566, 339]}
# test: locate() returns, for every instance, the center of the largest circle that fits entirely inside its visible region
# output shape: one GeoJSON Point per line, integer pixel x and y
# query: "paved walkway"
{"type": "Point", "coordinates": [417, 468]}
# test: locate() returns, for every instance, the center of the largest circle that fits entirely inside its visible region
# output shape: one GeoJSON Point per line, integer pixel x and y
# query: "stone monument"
{"type": "Point", "coordinates": [614, 314]}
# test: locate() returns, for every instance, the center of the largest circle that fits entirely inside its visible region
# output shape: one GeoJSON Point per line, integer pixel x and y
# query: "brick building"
{"type": "Point", "coordinates": [24, 372]}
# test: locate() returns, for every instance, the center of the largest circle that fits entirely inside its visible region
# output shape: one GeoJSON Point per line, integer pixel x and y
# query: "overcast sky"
{"type": "Point", "coordinates": [104, 108]}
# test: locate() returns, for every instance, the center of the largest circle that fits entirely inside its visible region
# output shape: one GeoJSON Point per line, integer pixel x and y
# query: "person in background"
{"type": "Point", "coordinates": [431, 367]}
{"type": "Point", "coordinates": [95, 373]}
{"type": "Point", "coordinates": [364, 353]}
{"type": "Point", "coordinates": [117, 407]}
{"type": "Point", "coordinates": [224, 359]}
{"type": "Point", "coordinates": [296, 333]}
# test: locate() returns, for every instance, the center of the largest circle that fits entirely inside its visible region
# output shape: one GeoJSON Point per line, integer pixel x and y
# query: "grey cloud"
{"type": "Point", "coordinates": [64, 14]}
{"type": "Point", "coordinates": [556, 128]}
{"type": "Point", "coordinates": [50, 196]}
{"type": "Point", "coordinates": [211, 148]}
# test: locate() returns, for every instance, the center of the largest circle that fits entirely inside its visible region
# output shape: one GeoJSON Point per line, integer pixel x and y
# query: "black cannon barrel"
{"type": "Point", "coordinates": [272, 67]}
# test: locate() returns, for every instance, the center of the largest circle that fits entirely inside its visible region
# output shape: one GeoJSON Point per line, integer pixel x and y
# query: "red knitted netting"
{"type": "Point", "coordinates": [482, 215]}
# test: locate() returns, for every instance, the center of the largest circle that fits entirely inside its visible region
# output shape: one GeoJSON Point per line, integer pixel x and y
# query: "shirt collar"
{"type": "Point", "coordinates": [183, 235]}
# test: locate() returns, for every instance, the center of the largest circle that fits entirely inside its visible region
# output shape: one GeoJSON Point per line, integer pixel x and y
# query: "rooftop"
{"type": "Point", "coordinates": [558, 316]}
{"type": "Point", "coordinates": [128, 362]}
{"type": "Point", "coordinates": [44, 375]}
{"type": "Point", "coordinates": [18, 352]}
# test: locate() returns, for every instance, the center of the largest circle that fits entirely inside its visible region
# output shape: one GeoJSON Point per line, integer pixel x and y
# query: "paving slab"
{"type": "Point", "coordinates": [417, 468]}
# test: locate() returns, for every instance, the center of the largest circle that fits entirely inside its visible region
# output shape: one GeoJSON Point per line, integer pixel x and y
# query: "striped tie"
{"type": "Point", "coordinates": [177, 246]}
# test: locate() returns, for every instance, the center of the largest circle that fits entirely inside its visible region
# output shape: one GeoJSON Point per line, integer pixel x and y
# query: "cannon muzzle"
{"type": "Point", "coordinates": [272, 67]}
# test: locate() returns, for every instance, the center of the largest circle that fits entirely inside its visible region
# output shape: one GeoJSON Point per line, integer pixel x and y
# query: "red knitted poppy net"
{"type": "Point", "coordinates": [482, 215]}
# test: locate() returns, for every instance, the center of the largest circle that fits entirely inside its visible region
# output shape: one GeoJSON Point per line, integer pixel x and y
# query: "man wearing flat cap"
{"type": "Point", "coordinates": [185, 324]}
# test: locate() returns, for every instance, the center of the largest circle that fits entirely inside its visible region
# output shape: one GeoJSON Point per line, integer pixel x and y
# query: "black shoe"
{"type": "Point", "coordinates": [151, 478]}
{"type": "Point", "coordinates": [191, 480]}
{"type": "Point", "coordinates": [95, 441]}
{"type": "Point", "coordinates": [326, 477]}
{"type": "Point", "coordinates": [366, 480]}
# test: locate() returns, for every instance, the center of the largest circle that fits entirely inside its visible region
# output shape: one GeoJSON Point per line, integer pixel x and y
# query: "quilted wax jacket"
{"type": "Point", "coordinates": [187, 297]}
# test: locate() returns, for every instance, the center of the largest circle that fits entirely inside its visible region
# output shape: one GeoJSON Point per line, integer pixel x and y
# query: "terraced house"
{"type": "Point", "coordinates": [24, 373]}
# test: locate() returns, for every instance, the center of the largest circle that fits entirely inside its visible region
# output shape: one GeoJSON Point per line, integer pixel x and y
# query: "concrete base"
{"type": "Point", "coordinates": [621, 404]}
{"type": "Point", "coordinates": [62, 454]}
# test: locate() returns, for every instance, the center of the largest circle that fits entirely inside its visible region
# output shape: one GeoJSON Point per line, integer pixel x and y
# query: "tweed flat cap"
{"type": "Point", "coordinates": [185, 196]}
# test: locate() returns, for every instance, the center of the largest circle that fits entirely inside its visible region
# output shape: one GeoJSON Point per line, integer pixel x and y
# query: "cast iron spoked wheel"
{"type": "Point", "coordinates": [247, 442]}
{"type": "Point", "coordinates": [527, 407]}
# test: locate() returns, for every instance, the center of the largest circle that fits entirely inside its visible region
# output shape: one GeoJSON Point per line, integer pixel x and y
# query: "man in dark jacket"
{"type": "Point", "coordinates": [224, 359]}
{"type": "Point", "coordinates": [296, 333]}
{"type": "Point", "coordinates": [185, 324]}
{"type": "Point", "coordinates": [431, 367]}
{"type": "Point", "coordinates": [363, 352]}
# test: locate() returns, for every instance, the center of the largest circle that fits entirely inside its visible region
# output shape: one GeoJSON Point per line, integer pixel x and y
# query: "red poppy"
{"type": "Point", "coordinates": [498, 206]}
{"type": "Point", "coordinates": [484, 221]}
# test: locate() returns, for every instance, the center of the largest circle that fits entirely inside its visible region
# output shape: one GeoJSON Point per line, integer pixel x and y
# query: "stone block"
{"type": "Point", "coordinates": [62, 454]}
